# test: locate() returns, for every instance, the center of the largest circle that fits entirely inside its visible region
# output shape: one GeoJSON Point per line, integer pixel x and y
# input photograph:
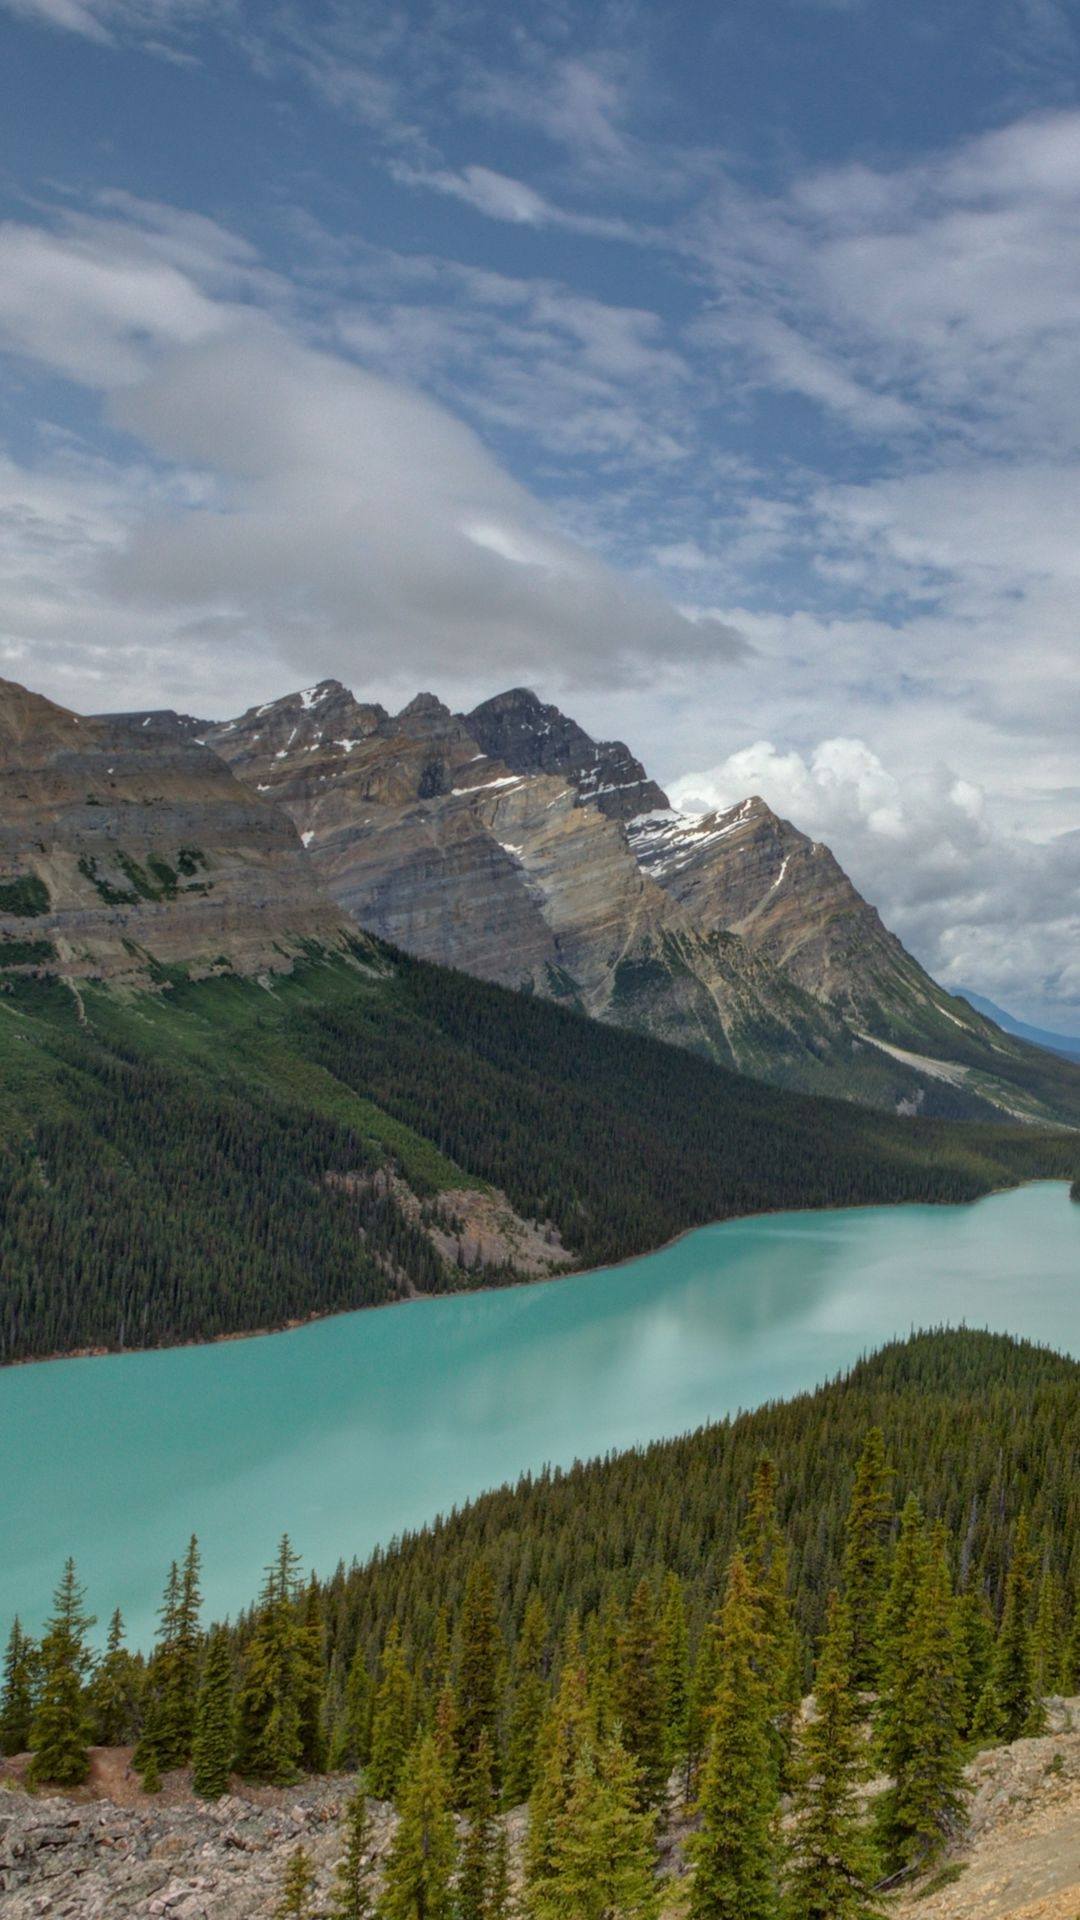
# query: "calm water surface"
{"type": "Point", "coordinates": [348, 1431]}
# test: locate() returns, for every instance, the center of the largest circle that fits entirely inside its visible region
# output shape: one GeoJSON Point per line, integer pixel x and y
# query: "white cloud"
{"type": "Point", "coordinates": [102, 19]}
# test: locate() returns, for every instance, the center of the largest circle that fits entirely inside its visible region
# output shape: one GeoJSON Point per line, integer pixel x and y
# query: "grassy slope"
{"type": "Point", "coordinates": [198, 1124]}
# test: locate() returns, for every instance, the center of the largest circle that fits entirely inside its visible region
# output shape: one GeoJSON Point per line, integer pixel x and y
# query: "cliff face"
{"type": "Point", "coordinates": [123, 846]}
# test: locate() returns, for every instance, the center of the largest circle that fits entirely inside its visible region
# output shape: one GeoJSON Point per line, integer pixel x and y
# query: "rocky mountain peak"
{"type": "Point", "coordinates": [425, 705]}
{"type": "Point", "coordinates": [530, 737]}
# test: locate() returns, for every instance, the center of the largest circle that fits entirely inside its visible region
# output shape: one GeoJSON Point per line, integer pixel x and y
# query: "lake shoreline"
{"type": "Point", "coordinates": [505, 1286]}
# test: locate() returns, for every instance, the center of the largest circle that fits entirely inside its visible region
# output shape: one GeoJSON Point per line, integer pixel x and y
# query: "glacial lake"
{"type": "Point", "coordinates": [350, 1430]}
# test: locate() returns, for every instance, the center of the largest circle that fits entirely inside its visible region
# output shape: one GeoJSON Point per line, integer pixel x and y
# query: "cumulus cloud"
{"type": "Point", "coordinates": [342, 518]}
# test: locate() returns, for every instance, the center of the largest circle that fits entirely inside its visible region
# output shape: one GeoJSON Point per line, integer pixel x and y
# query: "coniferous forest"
{"type": "Point", "coordinates": [631, 1643]}
{"type": "Point", "coordinates": [212, 1157]}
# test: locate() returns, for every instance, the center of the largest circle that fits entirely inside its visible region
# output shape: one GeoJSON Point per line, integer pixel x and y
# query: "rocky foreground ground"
{"type": "Point", "coordinates": [111, 1852]}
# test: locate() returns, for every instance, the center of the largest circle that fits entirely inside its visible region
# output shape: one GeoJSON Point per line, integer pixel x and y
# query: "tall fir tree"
{"type": "Point", "coordinates": [352, 1896]}
{"type": "Point", "coordinates": [673, 1662]}
{"type": "Point", "coordinates": [603, 1640]}
{"type": "Point", "coordinates": [924, 1806]}
{"type": "Point", "coordinates": [1046, 1648]}
{"type": "Point", "coordinates": [639, 1699]}
{"type": "Point", "coordinates": [500, 1900]}
{"type": "Point", "coordinates": [866, 1534]}
{"type": "Point", "coordinates": [153, 1735]}
{"type": "Point", "coordinates": [480, 1670]}
{"type": "Point", "coordinates": [893, 1628]}
{"type": "Point", "coordinates": [765, 1551]}
{"type": "Point", "coordinates": [418, 1881]}
{"type": "Point", "coordinates": [214, 1738]}
{"type": "Point", "coordinates": [604, 1860]}
{"type": "Point", "coordinates": [19, 1687]}
{"type": "Point", "coordinates": [567, 1727]}
{"type": "Point", "coordinates": [1012, 1678]}
{"type": "Point", "coordinates": [734, 1852]}
{"type": "Point", "coordinates": [61, 1726]}
{"type": "Point", "coordinates": [350, 1741]}
{"type": "Point", "coordinates": [478, 1846]}
{"type": "Point", "coordinates": [269, 1739]}
{"type": "Point", "coordinates": [528, 1704]}
{"type": "Point", "coordinates": [113, 1695]}
{"type": "Point", "coordinates": [830, 1866]}
{"type": "Point", "coordinates": [393, 1718]}
{"type": "Point", "coordinates": [975, 1625]}
{"type": "Point", "coordinates": [310, 1678]}
{"type": "Point", "coordinates": [297, 1900]}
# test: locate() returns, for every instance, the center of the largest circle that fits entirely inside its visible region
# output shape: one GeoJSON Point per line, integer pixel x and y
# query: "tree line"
{"type": "Point", "coordinates": [609, 1713]}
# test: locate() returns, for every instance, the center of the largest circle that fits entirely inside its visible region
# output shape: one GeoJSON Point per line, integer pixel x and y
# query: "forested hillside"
{"type": "Point", "coordinates": [626, 1648]}
{"type": "Point", "coordinates": [234, 1153]}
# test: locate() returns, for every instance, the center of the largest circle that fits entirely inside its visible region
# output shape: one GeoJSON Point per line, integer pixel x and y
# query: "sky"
{"type": "Point", "coordinates": [713, 371]}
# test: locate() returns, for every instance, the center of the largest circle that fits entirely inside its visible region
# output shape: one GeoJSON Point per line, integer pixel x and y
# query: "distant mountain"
{"type": "Point", "coordinates": [125, 848]}
{"type": "Point", "coordinates": [1065, 1044]}
{"type": "Point", "coordinates": [508, 843]}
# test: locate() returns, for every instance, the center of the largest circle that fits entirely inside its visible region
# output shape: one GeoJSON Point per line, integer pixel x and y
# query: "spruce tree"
{"type": "Point", "coordinates": [830, 1865]}
{"type": "Point", "coordinates": [420, 1866]}
{"type": "Point", "coordinates": [17, 1697]}
{"type": "Point", "coordinates": [310, 1679]}
{"type": "Point", "coordinates": [866, 1535]}
{"type": "Point", "coordinates": [392, 1721]}
{"type": "Point", "coordinates": [734, 1850]}
{"type": "Point", "coordinates": [214, 1740]}
{"type": "Point", "coordinates": [479, 1672]}
{"type": "Point", "coordinates": [478, 1846]}
{"type": "Point", "coordinates": [500, 1900]}
{"type": "Point", "coordinates": [603, 1640]}
{"type": "Point", "coordinates": [639, 1700]}
{"type": "Point", "coordinates": [673, 1663]}
{"type": "Point", "coordinates": [975, 1625]}
{"type": "Point", "coordinates": [604, 1860]}
{"type": "Point", "coordinates": [1013, 1676]}
{"type": "Point", "coordinates": [269, 1741]}
{"type": "Point", "coordinates": [350, 1743]}
{"type": "Point", "coordinates": [1070, 1659]}
{"type": "Point", "coordinates": [172, 1682]}
{"type": "Point", "coordinates": [351, 1897]}
{"type": "Point", "coordinates": [113, 1693]}
{"type": "Point", "coordinates": [297, 1889]}
{"type": "Point", "coordinates": [924, 1806]}
{"type": "Point", "coordinates": [765, 1551]}
{"type": "Point", "coordinates": [566, 1728]}
{"type": "Point", "coordinates": [61, 1728]}
{"type": "Point", "coordinates": [893, 1628]}
{"type": "Point", "coordinates": [153, 1737]}
{"type": "Point", "coordinates": [528, 1703]}
{"type": "Point", "coordinates": [1046, 1650]}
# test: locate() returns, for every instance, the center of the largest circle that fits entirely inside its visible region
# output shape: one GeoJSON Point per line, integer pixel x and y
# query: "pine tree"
{"type": "Point", "coordinates": [269, 1741]}
{"type": "Point", "coordinates": [1070, 1659]}
{"type": "Point", "coordinates": [528, 1703]}
{"type": "Point", "coordinates": [639, 1701]}
{"type": "Point", "coordinates": [159, 1682]}
{"type": "Point", "coordinates": [893, 1627]}
{"type": "Point", "coordinates": [704, 1683]}
{"type": "Point", "coordinates": [350, 1744]}
{"type": "Point", "coordinates": [765, 1552]}
{"type": "Point", "coordinates": [734, 1851]}
{"type": "Point", "coordinates": [310, 1679]}
{"type": "Point", "coordinates": [298, 1889]}
{"type": "Point", "coordinates": [830, 1868]}
{"type": "Point", "coordinates": [924, 1806]}
{"type": "Point", "coordinates": [151, 1773]}
{"type": "Point", "coordinates": [603, 1641]}
{"type": "Point", "coordinates": [113, 1693]}
{"type": "Point", "coordinates": [975, 1624]}
{"type": "Point", "coordinates": [604, 1862]}
{"type": "Point", "coordinates": [420, 1865]}
{"type": "Point", "coordinates": [60, 1731]}
{"type": "Point", "coordinates": [392, 1722]}
{"type": "Point", "coordinates": [352, 1880]}
{"type": "Point", "coordinates": [500, 1902]}
{"type": "Point", "coordinates": [866, 1534]}
{"type": "Point", "coordinates": [174, 1671]}
{"type": "Point", "coordinates": [17, 1697]}
{"type": "Point", "coordinates": [673, 1663]}
{"type": "Point", "coordinates": [1012, 1676]}
{"type": "Point", "coordinates": [478, 1846]}
{"type": "Point", "coordinates": [566, 1728]}
{"type": "Point", "coordinates": [1046, 1648]}
{"type": "Point", "coordinates": [479, 1671]}
{"type": "Point", "coordinates": [212, 1747]}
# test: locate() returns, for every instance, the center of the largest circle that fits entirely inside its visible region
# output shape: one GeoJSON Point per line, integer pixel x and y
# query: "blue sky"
{"type": "Point", "coordinates": [715, 371]}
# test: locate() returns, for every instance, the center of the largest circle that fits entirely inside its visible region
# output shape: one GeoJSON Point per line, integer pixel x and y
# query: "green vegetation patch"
{"type": "Point", "coordinates": [26, 953]}
{"type": "Point", "coordinates": [26, 896]}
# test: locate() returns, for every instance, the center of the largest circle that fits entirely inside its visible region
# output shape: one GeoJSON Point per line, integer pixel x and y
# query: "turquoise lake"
{"type": "Point", "coordinates": [347, 1431]}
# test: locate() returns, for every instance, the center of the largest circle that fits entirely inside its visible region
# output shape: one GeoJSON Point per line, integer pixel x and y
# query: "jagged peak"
{"type": "Point", "coordinates": [423, 704]}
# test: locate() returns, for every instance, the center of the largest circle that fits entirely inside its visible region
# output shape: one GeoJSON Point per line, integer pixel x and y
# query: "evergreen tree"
{"type": "Point", "coordinates": [604, 1865]}
{"type": "Point", "coordinates": [153, 1737]}
{"type": "Point", "coordinates": [500, 1902]}
{"type": "Point", "coordinates": [734, 1851]}
{"type": "Point", "coordinates": [639, 1700]}
{"type": "Point", "coordinates": [352, 1881]}
{"type": "Point", "coordinates": [298, 1888]}
{"type": "Point", "coordinates": [893, 1629]}
{"type": "Point", "coordinates": [704, 1683]}
{"type": "Point", "coordinates": [603, 1641]}
{"type": "Point", "coordinates": [174, 1672]}
{"type": "Point", "coordinates": [113, 1693]}
{"type": "Point", "coordinates": [61, 1729]}
{"type": "Point", "coordinates": [392, 1722]}
{"type": "Point", "coordinates": [924, 1806]}
{"type": "Point", "coordinates": [830, 1867]}
{"type": "Point", "coordinates": [479, 1671]}
{"type": "Point", "coordinates": [865, 1537]}
{"type": "Point", "coordinates": [975, 1625]}
{"type": "Point", "coordinates": [566, 1728]}
{"type": "Point", "coordinates": [765, 1551]}
{"type": "Point", "coordinates": [1046, 1650]}
{"type": "Point", "coordinates": [478, 1846]}
{"type": "Point", "coordinates": [213, 1743]}
{"type": "Point", "coordinates": [310, 1681]}
{"type": "Point", "coordinates": [1013, 1675]}
{"type": "Point", "coordinates": [269, 1739]}
{"type": "Point", "coordinates": [420, 1865]}
{"type": "Point", "coordinates": [1070, 1659]}
{"type": "Point", "coordinates": [350, 1743]}
{"type": "Point", "coordinates": [17, 1697]}
{"type": "Point", "coordinates": [528, 1703]}
{"type": "Point", "coordinates": [673, 1663]}
{"type": "Point", "coordinates": [151, 1772]}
